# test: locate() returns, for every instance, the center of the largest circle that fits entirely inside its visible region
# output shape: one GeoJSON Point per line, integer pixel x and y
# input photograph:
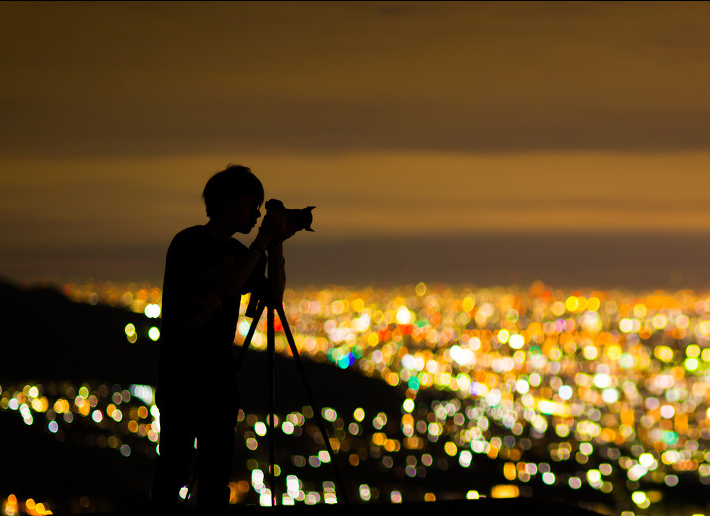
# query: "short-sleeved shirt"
{"type": "Point", "coordinates": [199, 321]}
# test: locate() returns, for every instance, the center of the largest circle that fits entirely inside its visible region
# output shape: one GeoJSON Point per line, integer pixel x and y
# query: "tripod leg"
{"type": "Point", "coordinates": [270, 338]}
{"type": "Point", "coordinates": [316, 408]}
{"type": "Point", "coordinates": [250, 335]}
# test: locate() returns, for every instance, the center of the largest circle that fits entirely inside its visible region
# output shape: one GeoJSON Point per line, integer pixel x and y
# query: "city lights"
{"type": "Point", "coordinates": [601, 390]}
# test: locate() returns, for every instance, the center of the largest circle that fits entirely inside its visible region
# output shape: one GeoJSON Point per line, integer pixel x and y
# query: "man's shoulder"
{"type": "Point", "coordinates": [186, 240]}
{"type": "Point", "coordinates": [193, 232]}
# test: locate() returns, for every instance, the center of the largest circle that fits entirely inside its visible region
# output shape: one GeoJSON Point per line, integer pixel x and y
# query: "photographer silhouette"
{"type": "Point", "coordinates": [206, 272]}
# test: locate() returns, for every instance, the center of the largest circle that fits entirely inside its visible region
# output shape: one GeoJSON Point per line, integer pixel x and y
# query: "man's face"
{"type": "Point", "coordinates": [244, 213]}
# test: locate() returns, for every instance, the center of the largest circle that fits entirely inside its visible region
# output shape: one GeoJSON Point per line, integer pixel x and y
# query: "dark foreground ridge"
{"type": "Point", "coordinates": [481, 507]}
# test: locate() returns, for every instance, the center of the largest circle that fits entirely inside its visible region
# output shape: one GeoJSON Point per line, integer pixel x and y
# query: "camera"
{"type": "Point", "coordinates": [300, 218]}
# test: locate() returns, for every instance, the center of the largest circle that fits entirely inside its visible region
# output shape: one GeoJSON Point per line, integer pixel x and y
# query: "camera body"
{"type": "Point", "coordinates": [300, 218]}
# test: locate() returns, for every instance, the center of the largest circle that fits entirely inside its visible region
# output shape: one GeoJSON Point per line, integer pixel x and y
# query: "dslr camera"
{"type": "Point", "coordinates": [300, 218]}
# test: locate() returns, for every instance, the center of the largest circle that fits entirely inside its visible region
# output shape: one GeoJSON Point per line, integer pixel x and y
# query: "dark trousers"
{"type": "Point", "coordinates": [180, 423]}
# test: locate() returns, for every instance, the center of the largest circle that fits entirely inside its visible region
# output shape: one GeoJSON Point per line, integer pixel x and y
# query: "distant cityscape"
{"type": "Point", "coordinates": [598, 397]}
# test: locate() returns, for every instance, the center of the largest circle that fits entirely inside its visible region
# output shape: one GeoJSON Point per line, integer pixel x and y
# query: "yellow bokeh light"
{"type": "Point", "coordinates": [660, 321]}
{"type": "Point", "coordinates": [373, 339]}
{"type": "Point", "coordinates": [450, 449]}
{"type": "Point", "coordinates": [593, 304]}
{"type": "Point", "coordinates": [692, 351]}
{"type": "Point", "coordinates": [358, 305]}
{"type": "Point", "coordinates": [614, 352]}
{"type": "Point", "coordinates": [468, 304]}
{"type": "Point", "coordinates": [640, 311]}
{"type": "Point", "coordinates": [663, 353]}
{"type": "Point", "coordinates": [420, 289]}
{"type": "Point", "coordinates": [505, 491]}
{"type": "Point", "coordinates": [509, 471]}
{"type": "Point", "coordinates": [572, 304]}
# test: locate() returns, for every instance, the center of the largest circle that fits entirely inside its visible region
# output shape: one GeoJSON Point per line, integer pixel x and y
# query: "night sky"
{"type": "Point", "coordinates": [398, 120]}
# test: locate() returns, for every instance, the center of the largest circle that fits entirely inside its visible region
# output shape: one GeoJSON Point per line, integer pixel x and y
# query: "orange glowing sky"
{"type": "Point", "coordinates": [396, 119]}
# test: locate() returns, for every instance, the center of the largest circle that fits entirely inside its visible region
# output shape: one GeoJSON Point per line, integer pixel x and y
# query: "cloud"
{"type": "Point", "coordinates": [114, 79]}
{"type": "Point", "coordinates": [138, 201]}
{"type": "Point", "coordinates": [114, 218]}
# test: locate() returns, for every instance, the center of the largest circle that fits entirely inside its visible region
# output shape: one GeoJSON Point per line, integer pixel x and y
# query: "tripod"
{"type": "Point", "coordinates": [274, 304]}
{"type": "Point", "coordinates": [256, 308]}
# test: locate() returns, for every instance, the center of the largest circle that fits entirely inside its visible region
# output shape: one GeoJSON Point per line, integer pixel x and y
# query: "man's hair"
{"type": "Point", "coordinates": [232, 183]}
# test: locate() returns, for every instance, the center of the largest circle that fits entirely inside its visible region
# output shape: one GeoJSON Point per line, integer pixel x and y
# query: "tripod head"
{"type": "Point", "coordinates": [271, 292]}
{"type": "Point", "coordinates": [299, 219]}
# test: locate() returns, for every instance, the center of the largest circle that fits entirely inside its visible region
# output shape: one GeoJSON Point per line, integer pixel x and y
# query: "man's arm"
{"type": "Point", "coordinates": [232, 279]}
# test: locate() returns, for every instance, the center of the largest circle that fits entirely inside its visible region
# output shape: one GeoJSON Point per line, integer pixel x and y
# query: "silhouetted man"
{"type": "Point", "coordinates": [206, 271]}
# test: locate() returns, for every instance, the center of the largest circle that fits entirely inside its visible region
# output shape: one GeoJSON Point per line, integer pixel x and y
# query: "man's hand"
{"type": "Point", "coordinates": [277, 227]}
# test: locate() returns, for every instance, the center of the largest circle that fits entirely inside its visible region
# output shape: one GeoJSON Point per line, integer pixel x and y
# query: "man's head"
{"type": "Point", "coordinates": [235, 194]}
